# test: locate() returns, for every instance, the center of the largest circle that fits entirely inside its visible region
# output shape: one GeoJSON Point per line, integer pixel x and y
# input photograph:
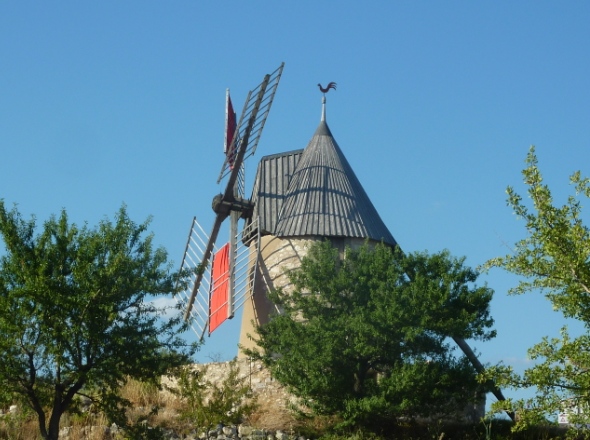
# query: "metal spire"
{"type": "Point", "coordinates": [324, 108]}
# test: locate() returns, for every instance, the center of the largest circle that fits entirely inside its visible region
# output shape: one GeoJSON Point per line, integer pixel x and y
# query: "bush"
{"type": "Point", "coordinates": [209, 404]}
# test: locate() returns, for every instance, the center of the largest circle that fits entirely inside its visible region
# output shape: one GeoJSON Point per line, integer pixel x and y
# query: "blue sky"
{"type": "Point", "coordinates": [104, 103]}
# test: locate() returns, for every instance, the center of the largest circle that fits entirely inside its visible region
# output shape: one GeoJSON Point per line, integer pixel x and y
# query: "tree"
{"type": "Point", "coordinates": [554, 259]}
{"type": "Point", "coordinates": [366, 337]}
{"type": "Point", "coordinates": [76, 315]}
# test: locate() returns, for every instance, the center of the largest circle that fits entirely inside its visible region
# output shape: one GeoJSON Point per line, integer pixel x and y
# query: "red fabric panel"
{"type": "Point", "coordinates": [230, 128]}
{"type": "Point", "coordinates": [219, 295]}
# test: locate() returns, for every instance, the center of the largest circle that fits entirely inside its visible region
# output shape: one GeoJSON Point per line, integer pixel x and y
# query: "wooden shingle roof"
{"type": "Point", "coordinates": [315, 192]}
{"type": "Point", "coordinates": [270, 186]}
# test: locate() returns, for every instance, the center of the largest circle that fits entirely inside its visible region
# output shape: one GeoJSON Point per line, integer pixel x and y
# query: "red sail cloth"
{"type": "Point", "coordinates": [219, 295]}
{"type": "Point", "coordinates": [230, 129]}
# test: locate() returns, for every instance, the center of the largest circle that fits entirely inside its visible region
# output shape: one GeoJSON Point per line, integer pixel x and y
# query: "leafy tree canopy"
{"type": "Point", "coordinates": [553, 258]}
{"type": "Point", "coordinates": [76, 315]}
{"type": "Point", "coordinates": [366, 337]}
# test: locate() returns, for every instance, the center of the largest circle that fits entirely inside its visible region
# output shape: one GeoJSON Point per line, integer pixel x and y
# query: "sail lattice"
{"type": "Point", "coordinates": [244, 270]}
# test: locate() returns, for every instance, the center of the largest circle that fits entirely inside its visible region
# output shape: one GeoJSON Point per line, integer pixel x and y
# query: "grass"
{"type": "Point", "coordinates": [93, 425]}
{"type": "Point", "coordinates": [154, 408]}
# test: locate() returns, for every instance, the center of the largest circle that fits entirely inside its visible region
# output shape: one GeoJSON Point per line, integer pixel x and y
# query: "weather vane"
{"type": "Point", "coordinates": [324, 90]}
{"type": "Point", "coordinates": [331, 85]}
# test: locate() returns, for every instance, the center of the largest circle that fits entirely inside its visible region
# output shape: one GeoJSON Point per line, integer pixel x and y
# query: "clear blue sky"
{"type": "Point", "coordinates": [104, 103]}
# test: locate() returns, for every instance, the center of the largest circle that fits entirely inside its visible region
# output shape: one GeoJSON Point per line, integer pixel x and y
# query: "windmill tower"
{"type": "Point", "coordinates": [300, 197]}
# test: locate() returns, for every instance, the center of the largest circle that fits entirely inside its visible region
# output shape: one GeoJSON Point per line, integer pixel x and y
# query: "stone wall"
{"type": "Point", "coordinates": [278, 256]}
{"type": "Point", "coordinates": [275, 401]}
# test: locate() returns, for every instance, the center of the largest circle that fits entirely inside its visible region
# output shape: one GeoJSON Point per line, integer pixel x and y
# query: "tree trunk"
{"type": "Point", "coordinates": [53, 429]}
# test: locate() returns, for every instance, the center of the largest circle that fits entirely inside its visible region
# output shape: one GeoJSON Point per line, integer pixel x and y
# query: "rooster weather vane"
{"type": "Point", "coordinates": [324, 90]}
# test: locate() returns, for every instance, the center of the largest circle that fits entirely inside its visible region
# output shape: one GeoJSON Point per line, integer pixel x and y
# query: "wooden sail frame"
{"type": "Point", "coordinates": [243, 272]}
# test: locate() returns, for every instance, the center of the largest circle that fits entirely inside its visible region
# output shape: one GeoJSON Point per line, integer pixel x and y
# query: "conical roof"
{"type": "Point", "coordinates": [325, 198]}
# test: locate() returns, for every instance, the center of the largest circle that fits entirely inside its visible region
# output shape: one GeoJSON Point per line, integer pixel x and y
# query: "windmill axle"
{"type": "Point", "coordinates": [224, 207]}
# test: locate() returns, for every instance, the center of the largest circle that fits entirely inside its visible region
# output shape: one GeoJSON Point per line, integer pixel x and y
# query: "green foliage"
{"type": "Point", "coordinates": [366, 337]}
{"type": "Point", "coordinates": [554, 255]}
{"type": "Point", "coordinates": [208, 404]}
{"type": "Point", "coordinates": [142, 431]}
{"type": "Point", "coordinates": [76, 312]}
{"type": "Point", "coordinates": [553, 258]}
{"type": "Point", "coordinates": [13, 425]}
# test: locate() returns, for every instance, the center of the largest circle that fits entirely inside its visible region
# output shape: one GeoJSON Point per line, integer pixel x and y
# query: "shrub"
{"type": "Point", "coordinates": [208, 404]}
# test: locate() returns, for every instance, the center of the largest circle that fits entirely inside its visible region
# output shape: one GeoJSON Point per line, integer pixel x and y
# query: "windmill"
{"type": "Point", "coordinates": [221, 284]}
{"type": "Point", "coordinates": [298, 197]}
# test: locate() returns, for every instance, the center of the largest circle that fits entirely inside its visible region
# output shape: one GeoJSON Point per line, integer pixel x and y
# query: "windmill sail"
{"type": "Point", "coordinates": [246, 259]}
{"type": "Point", "coordinates": [230, 129]}
{"type": "Point", "coordinates": [220, 285]}
{"type": "Point", "coordinates": [252, 120]}
{"type": "Point", "coordinates": [243, 144]}
{"type": "Point", "coordinates": [216, 300]}
{"type": "Point", "coordinates": [193, 255]}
